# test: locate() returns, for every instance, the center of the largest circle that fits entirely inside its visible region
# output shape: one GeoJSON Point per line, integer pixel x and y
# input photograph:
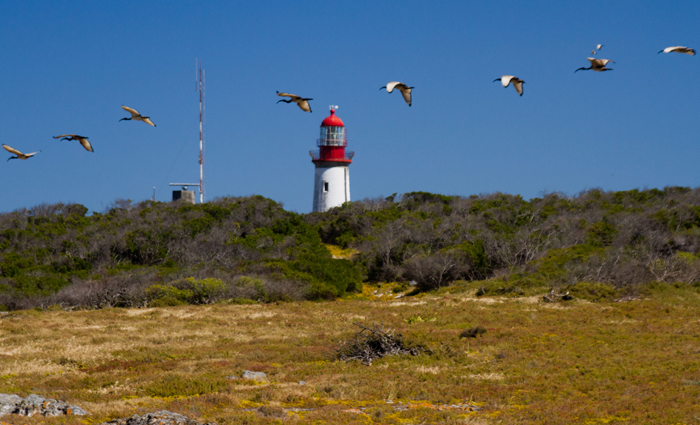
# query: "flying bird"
{"type": "Point", "coordinates": [597, 65]}
{"type": "Point", "coordinates": [19, 154]}
{"type": "Point", "coordinates": [403, 88]}
{"type": "Point", "coordinates": [302, 102]}
{"type": "Point", "coordinates": [136, 116]}
{"type": "Point", "coordinates": [678, 49]}
{"type": "Point", "coordinates": [517, 82]}
{"type": "Point", "coordinates": [82, 139]}
{"type": "Point", "coordinates": [597, 47]}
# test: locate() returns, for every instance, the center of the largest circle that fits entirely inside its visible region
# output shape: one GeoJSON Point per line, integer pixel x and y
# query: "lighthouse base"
{"type": "Point", "coordinates": [331, 185]}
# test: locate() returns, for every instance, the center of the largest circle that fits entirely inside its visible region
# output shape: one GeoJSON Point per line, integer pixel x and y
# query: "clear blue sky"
{"type": "Point", "coordinates": [69, 66]}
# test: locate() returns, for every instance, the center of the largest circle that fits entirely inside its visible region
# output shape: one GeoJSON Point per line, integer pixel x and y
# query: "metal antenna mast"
{"type": "Point", "coordinates": [200, 88]}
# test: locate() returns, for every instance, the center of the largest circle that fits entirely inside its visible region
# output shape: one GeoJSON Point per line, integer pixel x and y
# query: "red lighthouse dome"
{"type": "Point", "coordinates": [332, 121]}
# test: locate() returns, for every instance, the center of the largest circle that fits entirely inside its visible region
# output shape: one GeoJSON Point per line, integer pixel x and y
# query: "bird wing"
{"type": "Point", "coordinates": [293, 96]}
{"type": "Point", "coordinates": [683, 49]}
{"type": "Point", "coordinates": [86, 144]}
{"type": "Point", "coordinates": [64, 135]}
{"type": "Point", "coordinates": [599, 63]}
{"type": "Point", "coordinates": [31, 154]}
{"type": "Point", "coordinates": [132, 111]}
{"type": "Point", "coordinates": [599, 46]}
{"type": "Point", "coordinates": [406, 93]}
{"type": "Point", "coordinates": [304, 105]}
{"type": "Point", "coordinates": [518, 84]}
{"type": "Point", "coordinates": [12, 150]}
{"type": "Point", "coordinates": [390, 86]}
{"type": "Point", "coordinates": [148, 121]}
{"type": "Point", "coordinates": [505, 80]}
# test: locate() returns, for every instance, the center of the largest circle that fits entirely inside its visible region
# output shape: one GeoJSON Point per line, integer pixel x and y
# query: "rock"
{"type": "Point", "coordinates": [232, 377]}
{"type": "Point", "coordinates": [9, 403]}
{"type": "Point", "coordinates": [302, 382]}
{"type": "Point", "coordinates": [413, 283]}
{"type": "Point", "coordinates": [36, 405]}
{"type": "Point", "coordinates": [162, 417]}
{"type": "Point", "coordinates": [256, 376]}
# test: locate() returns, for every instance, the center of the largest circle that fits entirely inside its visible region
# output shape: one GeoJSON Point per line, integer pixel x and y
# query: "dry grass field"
{"type": "Point", "coordinates": [576, 362]}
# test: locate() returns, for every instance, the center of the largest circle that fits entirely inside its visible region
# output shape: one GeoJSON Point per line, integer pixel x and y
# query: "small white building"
{"type": "Point", "coordinates": [332, 177]}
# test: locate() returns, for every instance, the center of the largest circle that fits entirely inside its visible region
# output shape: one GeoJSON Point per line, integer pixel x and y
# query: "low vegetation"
{"type": "Point", "coordinates": [596, 245]}
{"type": "Point", "coordinates": [158, 254]}
{"type": "Point", "coordinates": [569, 362]}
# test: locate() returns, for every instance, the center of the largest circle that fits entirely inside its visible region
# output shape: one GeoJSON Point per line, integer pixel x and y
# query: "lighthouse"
{"type": "Point", "coordinates": [332, 176]}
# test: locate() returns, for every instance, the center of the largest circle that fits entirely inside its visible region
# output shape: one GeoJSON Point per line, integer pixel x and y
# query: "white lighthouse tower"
{"type": "Point", "coordinates": [332, 177]}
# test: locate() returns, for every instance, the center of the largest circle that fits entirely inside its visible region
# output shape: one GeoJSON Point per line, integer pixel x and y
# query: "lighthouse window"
{"type": "Point", "coordinates": [333, 136]}
{"type": "Point", "coordinates": [325, 186]}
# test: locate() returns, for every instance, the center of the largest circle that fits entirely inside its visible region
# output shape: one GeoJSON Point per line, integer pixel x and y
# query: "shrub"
{"type": "Point", "coordinates": [374, 342]}
{"type": "Point", "coordinates": [593, 291]}
{"type": "Point", "coordinates": [168, 293]}
{"type": "Point", "coordinates": [166, 301]}
{"type": "Point", "coordinates": [204, 291]}
{"type": "Point", "coordinates": [473, 332]}
{"type": "Point", "coordinates": [253, 286]}
{"type": "Point", "coordinates": [601, 233]}
{"type": "Point", "coordinates": [431, 271]}
{"type": "Point", "coordinates": [328, 277]}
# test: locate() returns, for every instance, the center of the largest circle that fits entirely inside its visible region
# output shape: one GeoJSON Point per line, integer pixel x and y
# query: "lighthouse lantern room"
{"type": "Point", "coordinates": [332, 178]}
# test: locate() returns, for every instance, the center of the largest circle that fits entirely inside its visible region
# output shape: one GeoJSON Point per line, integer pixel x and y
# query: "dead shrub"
{"type": "Point", "coordinates": [375, 342]}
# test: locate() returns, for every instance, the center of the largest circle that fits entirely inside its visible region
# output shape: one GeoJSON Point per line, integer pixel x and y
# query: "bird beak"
{"type": "Point", "coordinates": [497, 79]}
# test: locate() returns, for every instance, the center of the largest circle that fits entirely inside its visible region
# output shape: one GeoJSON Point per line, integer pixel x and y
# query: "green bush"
{"type": "Point", "coordinates": [204, 291]}
{"type": "Point", "coordinates": [592, 291]}
{"type": "Point", "coordinates": [241, 301]}
{"type": "Point", "coordinates": [186, 291]}
{"type": "Point", "coordinates": [254, 283]}
{"type": "Point", "coordinates": [517, 284]}
{"type": "Point", "coordinates": [601, 233]}
{"type": "Point", "coordinates": [329, 278]}
{"type": "Point", "coordinates": [166, 301]}
{"type": "Point", "coordinates": [170, 292]}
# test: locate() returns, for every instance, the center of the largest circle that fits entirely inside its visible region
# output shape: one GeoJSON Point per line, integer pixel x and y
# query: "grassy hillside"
{"type": "Point", "coordinates": [596, 245]}
{"type": "Point", "coordinates": [575, 362]}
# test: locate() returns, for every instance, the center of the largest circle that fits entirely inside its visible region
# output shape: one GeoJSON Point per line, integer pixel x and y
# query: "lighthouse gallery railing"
{"type": "Point", "coordinates": [315, 155]}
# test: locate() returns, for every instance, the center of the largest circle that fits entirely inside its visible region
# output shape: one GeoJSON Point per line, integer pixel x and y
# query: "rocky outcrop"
{"type": "Point", "coordinates": [255, 376]}
{"type": "Point", "coordinates": [249, 374]}
{"type": "Point", "coordinates": [158, 418]}
{"type": "Point", "coordinates": [36, 405]}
